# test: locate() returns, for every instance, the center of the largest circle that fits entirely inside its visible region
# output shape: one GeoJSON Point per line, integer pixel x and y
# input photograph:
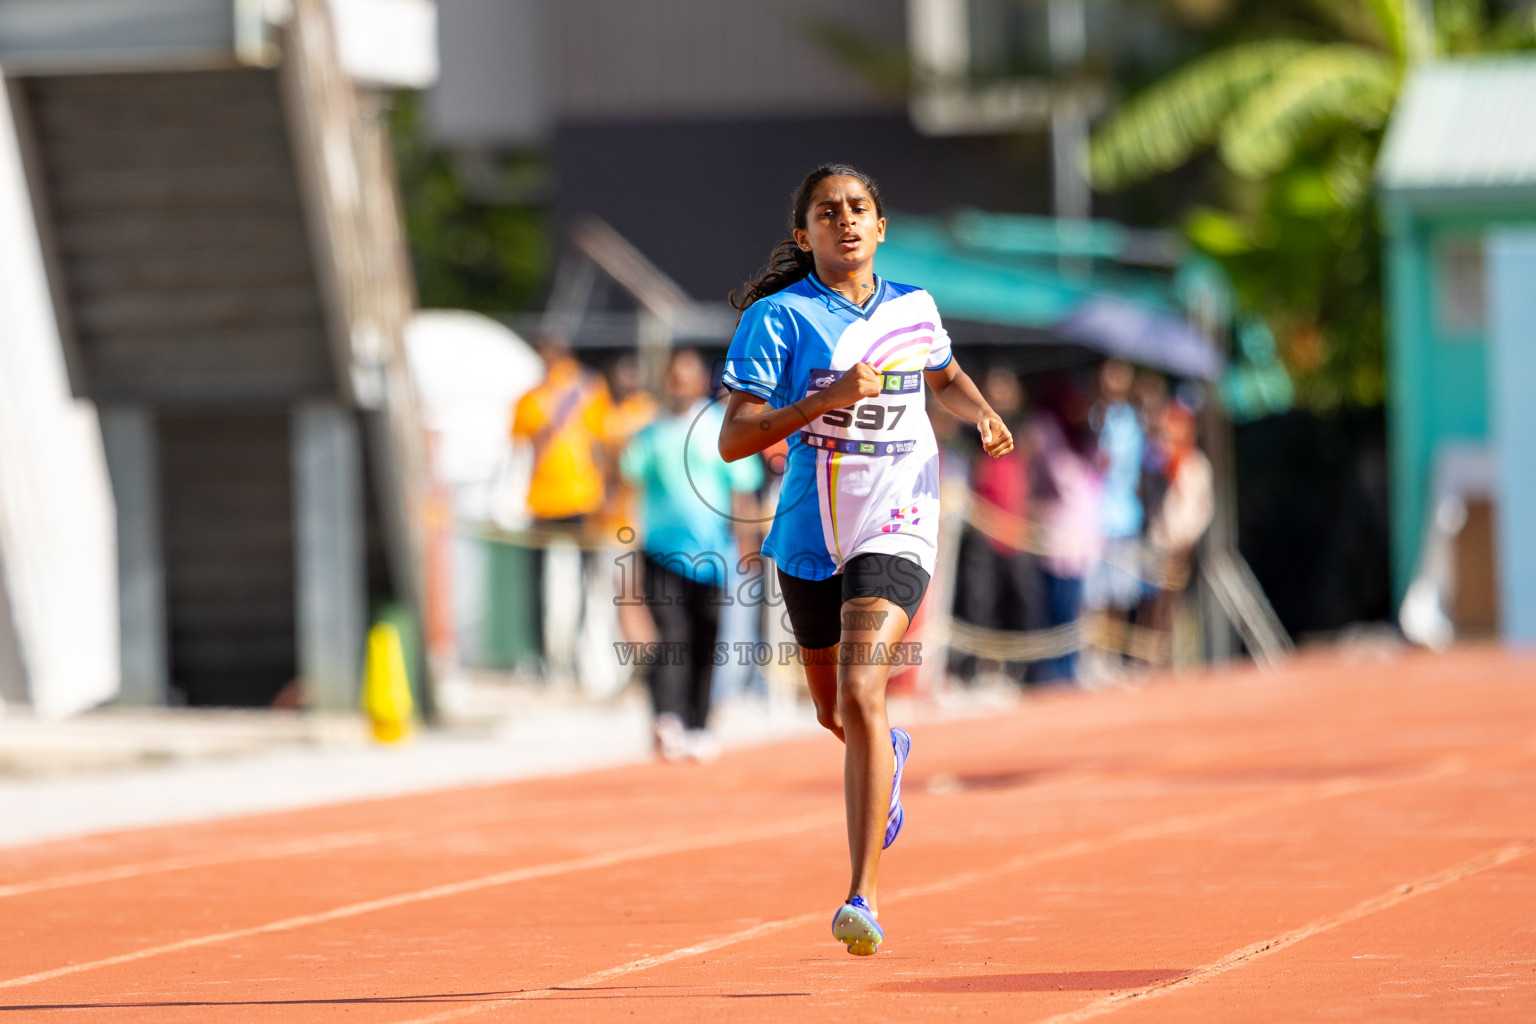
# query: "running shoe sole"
{"type": "Point", "coordinates": [855, 927]}
{"type": "Point", "coordinates": [901, 743]}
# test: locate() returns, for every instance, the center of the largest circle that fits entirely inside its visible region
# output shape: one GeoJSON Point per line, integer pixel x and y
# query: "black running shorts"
{"type": "Point", "coordinates": [816, 606]}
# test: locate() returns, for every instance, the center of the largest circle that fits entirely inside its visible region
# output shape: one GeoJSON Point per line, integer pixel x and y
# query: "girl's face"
{"type": "Point", "coordinates": [842, 226]}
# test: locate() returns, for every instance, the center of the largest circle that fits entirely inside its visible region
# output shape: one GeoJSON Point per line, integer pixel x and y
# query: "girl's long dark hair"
{"type": "Point", "coordinates": [789, 263]}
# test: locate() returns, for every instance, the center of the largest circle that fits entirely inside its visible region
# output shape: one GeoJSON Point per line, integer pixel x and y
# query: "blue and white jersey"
{"type": "Point", "coordinates": [861, 479]}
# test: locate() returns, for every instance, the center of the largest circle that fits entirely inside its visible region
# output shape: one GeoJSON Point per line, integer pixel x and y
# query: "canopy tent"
{"type": "Point", "coordinates": [1095, 284]}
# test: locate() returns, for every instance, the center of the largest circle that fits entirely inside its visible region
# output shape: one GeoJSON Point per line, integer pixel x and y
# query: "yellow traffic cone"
{"type": "Point", "coordinates": [386, 687]}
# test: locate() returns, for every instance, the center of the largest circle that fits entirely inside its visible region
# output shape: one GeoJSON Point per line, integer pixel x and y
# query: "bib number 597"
{"type": "Point", "coordinates": [866, 417]}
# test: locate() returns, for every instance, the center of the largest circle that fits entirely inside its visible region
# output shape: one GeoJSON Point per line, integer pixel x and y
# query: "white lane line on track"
{"type": "Point", "coordinates": [589, 863]}
{"type": "Point", "coordinates": [266, 851]}
{"type": "Point", "coordinates": [326, 842]}
{"type": "Point", "coordinates": [645, 963]}
{"type": "Point", "coordinates": [1247, 954]}
{"type": "Point", "coordinates": [321, 843]}
{"type": "Point", "coordinates": [1151, 830]}
{"type": "Point", "coordinates": [1293, 795]}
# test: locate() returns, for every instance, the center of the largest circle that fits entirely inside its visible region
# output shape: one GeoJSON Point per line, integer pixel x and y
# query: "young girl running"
{"type": "Point", "coordinates": [835, 359]}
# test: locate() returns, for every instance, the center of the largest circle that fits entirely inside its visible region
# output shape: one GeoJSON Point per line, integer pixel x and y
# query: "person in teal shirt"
{"type": "Point", "coordinates": [695, 511]}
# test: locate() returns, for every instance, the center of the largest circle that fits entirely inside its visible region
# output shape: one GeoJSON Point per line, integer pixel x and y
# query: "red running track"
{"type": "Point", "coordinates": [1340, 841]}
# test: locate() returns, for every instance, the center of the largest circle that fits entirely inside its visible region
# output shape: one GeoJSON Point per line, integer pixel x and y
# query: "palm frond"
{"type": "Point", "coordinates": [1407, 27]}
{"type": "Point", "coordinates": [1332, 83]}
{"type": "Point", "coordinates": [1174, 118]}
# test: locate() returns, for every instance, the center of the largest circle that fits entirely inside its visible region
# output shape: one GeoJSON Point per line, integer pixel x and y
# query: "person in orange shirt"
{"type": "Point", "coordinates": [565, 419]}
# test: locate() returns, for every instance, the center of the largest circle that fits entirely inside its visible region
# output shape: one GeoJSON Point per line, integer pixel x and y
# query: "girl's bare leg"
{"type": "Point", "coordinates": [871, 626]}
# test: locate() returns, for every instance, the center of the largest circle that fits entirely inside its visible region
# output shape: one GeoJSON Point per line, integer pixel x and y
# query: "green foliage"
{"type": "Point", "coordinates": [1326, 84]}
{"type": "Point", "coordinates": [1408, 35]}
{"type": "Point", "coordinates": [468, 251]}
{"type": "Point", "coordinates": [1169, 123]}
{"type": "Point", "coordinates": [1297, 122]}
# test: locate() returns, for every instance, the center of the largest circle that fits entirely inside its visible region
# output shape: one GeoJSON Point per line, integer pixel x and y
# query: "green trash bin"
{"type": "Point", "coordinates": [511, 637]}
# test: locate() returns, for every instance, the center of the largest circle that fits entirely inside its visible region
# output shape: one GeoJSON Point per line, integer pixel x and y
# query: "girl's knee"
{"type": "Point", "coordinates": [861, 695]}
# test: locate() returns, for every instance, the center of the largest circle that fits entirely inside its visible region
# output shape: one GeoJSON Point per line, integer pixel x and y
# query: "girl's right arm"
{"type": "Point", "coordinates": [751, 425]}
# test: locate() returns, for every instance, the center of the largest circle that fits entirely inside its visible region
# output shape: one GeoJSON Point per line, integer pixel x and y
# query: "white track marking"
{"type": "Point", "coordinates": [1179, 823]}
{"type": "Point", "coordinates": [1247, 954]}
{"type": "Point", "coordinates": [589, 863]}
{"type": "Point", "coordinates": [257, 851]}
{"type": "Point", "coordinates": [1134, 833]}
{"type": "Point", "coordinates": [645, 963]}
{"type": "Point", "coordinates": [342, 840]}
{"type": "Point", "coordinates": [266, 851]}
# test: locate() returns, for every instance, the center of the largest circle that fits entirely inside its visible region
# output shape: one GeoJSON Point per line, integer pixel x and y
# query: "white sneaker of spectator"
{"type": "Point", "coordinates": [671, 739]}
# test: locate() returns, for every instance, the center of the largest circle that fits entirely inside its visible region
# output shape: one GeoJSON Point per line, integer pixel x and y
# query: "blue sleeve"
{"type": "Point", "coordinates": [759, 353]}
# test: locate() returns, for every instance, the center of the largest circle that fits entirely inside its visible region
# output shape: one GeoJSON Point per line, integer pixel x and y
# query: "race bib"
{"type": "Point", "coordinates": [875, 425]}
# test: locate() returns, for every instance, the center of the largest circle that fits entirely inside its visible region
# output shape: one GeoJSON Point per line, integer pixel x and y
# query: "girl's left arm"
{"type": "Point", "coordinates": [958, 393]}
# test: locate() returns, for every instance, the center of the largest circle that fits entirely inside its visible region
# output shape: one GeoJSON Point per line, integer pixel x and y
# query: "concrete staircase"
{"type": "Point", "coordinates": [225, 255]}
{"type": "Point", "coordinates": [180, 236]}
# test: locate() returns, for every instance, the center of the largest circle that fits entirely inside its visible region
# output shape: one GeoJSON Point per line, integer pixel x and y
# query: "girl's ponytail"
{"type": "Point", "coordinates": [788, 263]}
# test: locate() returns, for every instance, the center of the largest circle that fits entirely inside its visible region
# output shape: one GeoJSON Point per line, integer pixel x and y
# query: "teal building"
{"type": "Point", "coordinates": [1457, 189]}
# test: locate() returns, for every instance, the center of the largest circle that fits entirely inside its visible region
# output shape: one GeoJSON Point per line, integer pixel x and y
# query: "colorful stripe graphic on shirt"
{"type": "Point", "coordinates": [833, 461]}
{"type": "Point", "coordinates": [869, 353]}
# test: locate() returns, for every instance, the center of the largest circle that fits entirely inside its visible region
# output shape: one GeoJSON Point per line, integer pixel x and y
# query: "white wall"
{"type": "Point", "coordinates": [58, 557]}
{"type": "Point", "coordinates": [389, 43]}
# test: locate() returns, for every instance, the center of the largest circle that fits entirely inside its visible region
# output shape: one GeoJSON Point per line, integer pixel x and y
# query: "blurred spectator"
{"type": "Point", "coordinates": [689, 500]}
{"type": "Point", "coordinates": [1114, 584]}
{"type": "Point", "coordinates": [1066, 499]}
{"type": "Point", "coordinates": [564, 419]}
{"type": "Point", "coordinates": [632, 406]}
{"type": "Point", "coordinates": [1188, 504]}
{"type": "Point", "coordinates": [998, 583]}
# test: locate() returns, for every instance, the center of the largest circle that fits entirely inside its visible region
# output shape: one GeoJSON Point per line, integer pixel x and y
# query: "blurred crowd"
{"type": "Point", "coordinates": [614, 465]}
{"type": "Point", "coordinates": [1093, 515]}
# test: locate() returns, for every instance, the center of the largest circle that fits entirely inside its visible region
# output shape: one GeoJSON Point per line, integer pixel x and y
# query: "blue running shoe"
{"type": "Point", "coordinates": [855, 926]}
{"type": "Point", "coordinates": [901, 742]}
